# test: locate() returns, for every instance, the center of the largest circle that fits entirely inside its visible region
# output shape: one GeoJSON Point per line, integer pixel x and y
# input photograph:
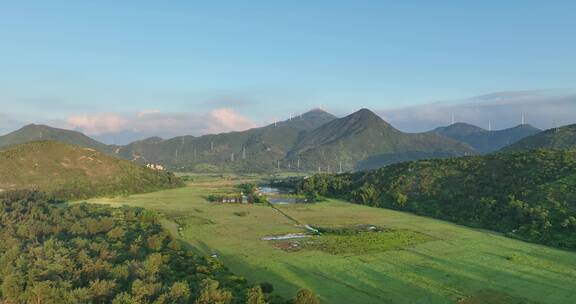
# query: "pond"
{"type": "Point", "coordinates": [280, 196]}
{"type": "Point", "coordinates": [267, 190]}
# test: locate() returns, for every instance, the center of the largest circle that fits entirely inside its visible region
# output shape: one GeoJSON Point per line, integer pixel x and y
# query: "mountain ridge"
{"type": "Point", "coordinates": [38, 132]}
{"type": "Point", "coordinates": [486, 141]}
{"type": "Point", "coordinates": [363, 134]}
{"type": "Point", "coordinates": [556, 138]}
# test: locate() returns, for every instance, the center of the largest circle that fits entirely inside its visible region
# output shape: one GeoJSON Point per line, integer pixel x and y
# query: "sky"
{"type": "Point", "coordinates": [122, 70]}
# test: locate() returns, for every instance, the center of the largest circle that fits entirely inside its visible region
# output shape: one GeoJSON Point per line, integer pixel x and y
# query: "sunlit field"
{"type": "Point", "coordinates": [414, 260]}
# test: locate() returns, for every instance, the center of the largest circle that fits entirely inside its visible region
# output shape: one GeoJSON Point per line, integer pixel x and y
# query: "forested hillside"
{"type": "Point", "coordinates": [530, 195]}
{"type": "Point", "coordinates": [73, 172]}
{"type": "Point", "coordinates": [94, 254]}
{"type": "Point", "coordinates": [557, 138]}
{"type": "Point", "coordinates": [363, 140]}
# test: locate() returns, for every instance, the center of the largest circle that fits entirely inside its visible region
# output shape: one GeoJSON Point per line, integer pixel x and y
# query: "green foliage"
{"type": "Point", "coordinates": [71, 172]}
{"type": "Point", "coordinates": [255, 296]}
{"type": "Point", "coordinates": [354, 242]}
{"type": "Point", "coordinates": [259, 199]}
{"type": "Point", "coordinates": [248, 188]}
{"type": "Point", "coordinates": [212, 294]}
{"type": "Point", "coordinates": [306, 296]}
{"type": "Point", "coordinates": [94, 254]}
{"type": "Point", "coordinates": [528, 195]}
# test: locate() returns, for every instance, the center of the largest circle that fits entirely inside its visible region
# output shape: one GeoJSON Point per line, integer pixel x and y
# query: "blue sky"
{"type": "Point", "coordinates": [265, 59]}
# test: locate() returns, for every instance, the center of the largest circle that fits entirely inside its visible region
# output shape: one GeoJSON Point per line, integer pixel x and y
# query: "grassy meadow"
{"type": "Point", "coordinates": [416, 259]}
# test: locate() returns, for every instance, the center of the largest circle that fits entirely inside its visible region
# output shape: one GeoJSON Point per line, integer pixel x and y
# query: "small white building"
{"type": "Point", "coordinates": [155, 167]}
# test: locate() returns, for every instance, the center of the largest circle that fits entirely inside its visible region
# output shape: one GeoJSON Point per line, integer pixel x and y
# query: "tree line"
{"type": "Point", "coordinates": [527, 195]}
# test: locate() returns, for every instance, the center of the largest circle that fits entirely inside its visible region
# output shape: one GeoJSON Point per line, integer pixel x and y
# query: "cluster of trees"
{"type": "Point", "coordinates": [54, 253]}
{"type": "Point", "coordinates": [528, 195]}
{"type": "Point", "coordinates": [131, 181]}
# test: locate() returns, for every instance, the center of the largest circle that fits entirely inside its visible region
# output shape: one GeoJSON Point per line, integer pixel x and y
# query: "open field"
{"type": "Point", "coordinates": [449, 264]}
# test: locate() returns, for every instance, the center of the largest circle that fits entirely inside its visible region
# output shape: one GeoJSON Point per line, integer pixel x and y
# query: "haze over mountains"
{"type": "Point", "coordinates": [315, 140]}
{"type": "Point", "coordinates": [486, 141]}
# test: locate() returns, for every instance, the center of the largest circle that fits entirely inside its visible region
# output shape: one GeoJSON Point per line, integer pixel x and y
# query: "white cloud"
{"type": "Point", "coordinates": [223, 120]}
{"type": "Point", "coordinates": [99, 123]}
{"type": "Point", "coordinates": [156, 123]}
{"type": "Point", "coordinates": [541, 109]}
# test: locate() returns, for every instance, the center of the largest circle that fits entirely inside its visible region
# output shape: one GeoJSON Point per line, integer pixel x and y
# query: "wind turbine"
{"type": "Point", "coordinates": [523, 119]}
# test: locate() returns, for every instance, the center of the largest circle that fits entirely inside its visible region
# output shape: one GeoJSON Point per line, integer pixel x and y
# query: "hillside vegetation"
{"type": "Point", "coordinates": [529, 195]}
{"type": "Point", "coordinates": [74, 172]}
{"type": "Point", "coordinates": [96, 254]}
{"type": "Point", "coordinates": [558, 138]}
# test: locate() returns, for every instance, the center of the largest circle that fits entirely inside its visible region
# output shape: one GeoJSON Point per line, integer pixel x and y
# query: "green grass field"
{"type": "Point", "coordinates": [421, 261]}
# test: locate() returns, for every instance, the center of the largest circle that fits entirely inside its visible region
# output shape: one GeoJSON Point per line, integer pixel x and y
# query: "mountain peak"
{"type": "Point", "coordinates": [365, 112]}
{"type": "Point", "coordinates": [367, 118]}
{"type": "Point", "coordinates": [459, 127]}
{"type": "Point", "coordinates": [318, 112]}
{"type": "Point", "coordinates": [38, 132]}
{"type": "Point", "coordinates": [35, 127]}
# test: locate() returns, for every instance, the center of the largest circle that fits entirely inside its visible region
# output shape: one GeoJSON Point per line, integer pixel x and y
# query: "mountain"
{"type": "Point", "coordinates": [528, 195]}
{"type": "Point", "coordinates": [256, 149]}
{"type": "Point", "coordinates": [34, 132]}
{"type": "Point", "coordinates": [484, 141]}
{"type": "Point", "coordinates": [364, 136]}
{"type": "Point", "coordinates": [557, 138]}
{"type": "Point", "coordinates": [74, 172]}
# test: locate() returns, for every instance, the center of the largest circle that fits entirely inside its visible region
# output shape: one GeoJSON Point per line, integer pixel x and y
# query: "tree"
{"type": "Point", "coordinates": [179, 293]}
{"type": "Point", "coordinates": [102, 289]}
{"type": "Point", "coordinates": [267, 287]}
{"type": "Point", "coordinates": [13, 287]}
{"type": "Point", "coordinates": [306, 296]}
{"type": "Point", "coordinates": [211, 293]}
{"type": "Point", "coordinates": [255, 296]}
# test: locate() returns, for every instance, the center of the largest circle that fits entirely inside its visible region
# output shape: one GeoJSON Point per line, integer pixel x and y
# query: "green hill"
{"type": "Point", "coordinates": [528, 195]}
{"type": "Point", "coordinates": [558, 138]}
{"type": "Point", "coordinates": [34, 132]}
{"type": "Point", "coordinates": [364, 136]}
{"type": "Point", "coordinates": [484, 141]}
{"type": "Point", "coordinates": [256, 149]}
{"type": "Point", "coordinates": [73, 172]}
